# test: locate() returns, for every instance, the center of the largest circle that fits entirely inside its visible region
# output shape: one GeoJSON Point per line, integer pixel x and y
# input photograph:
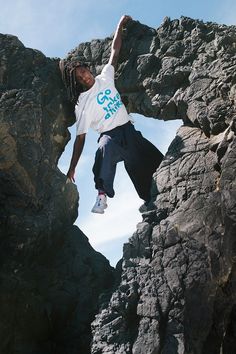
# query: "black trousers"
{"type": "Point", "coordinates": [141, 159]}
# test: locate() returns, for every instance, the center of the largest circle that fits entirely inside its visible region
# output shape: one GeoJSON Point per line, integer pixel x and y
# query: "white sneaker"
{"type": "Point", "coordinates": [100, 205]}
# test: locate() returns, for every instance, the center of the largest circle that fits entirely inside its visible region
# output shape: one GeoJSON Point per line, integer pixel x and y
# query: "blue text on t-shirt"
{"type": "Point", "coordinates": [110, 105]}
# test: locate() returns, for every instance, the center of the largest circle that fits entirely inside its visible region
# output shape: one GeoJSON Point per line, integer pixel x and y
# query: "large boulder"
{"type": "Point", "coordinates": [177, 290]}
{"type": "Point", "coordinates": [51, 278]}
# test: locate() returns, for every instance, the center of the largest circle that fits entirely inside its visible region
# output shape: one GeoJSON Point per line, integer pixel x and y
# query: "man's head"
{"type": "Point", "coordinates": [77, 78]}
{"type": "Point", "coordinates": [84, 76]}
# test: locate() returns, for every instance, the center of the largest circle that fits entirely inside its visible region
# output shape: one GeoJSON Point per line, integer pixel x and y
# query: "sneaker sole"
{"type": "Point", "coordinates": [97, 211]}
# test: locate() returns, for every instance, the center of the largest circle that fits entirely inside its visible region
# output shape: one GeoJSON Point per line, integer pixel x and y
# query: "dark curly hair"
{"type": "Point", "coordinates": [73, 87]}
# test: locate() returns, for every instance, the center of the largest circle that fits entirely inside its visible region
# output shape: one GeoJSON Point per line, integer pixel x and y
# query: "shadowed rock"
{"type": "Point", "coordinates": [51, 278]}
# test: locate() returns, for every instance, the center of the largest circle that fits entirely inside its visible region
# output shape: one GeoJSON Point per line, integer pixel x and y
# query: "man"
{"type": "Point", "coordinates": [99, 106]}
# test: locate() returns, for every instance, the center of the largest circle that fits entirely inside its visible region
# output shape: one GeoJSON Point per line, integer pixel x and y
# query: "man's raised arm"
{"type": "Point", "coordinates": [117, 40]}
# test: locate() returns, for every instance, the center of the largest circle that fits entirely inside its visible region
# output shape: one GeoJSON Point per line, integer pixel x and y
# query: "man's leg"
{"type": "Point", "coordinates": [141, 162]}
{"type": "Point", "coordinates": [104, 169]}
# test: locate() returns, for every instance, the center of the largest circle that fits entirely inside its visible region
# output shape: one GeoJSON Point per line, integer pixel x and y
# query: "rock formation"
{"type": "Point", "coordinates": [51, 278]}
{"type": "Point", "coordinates": [177, 288]}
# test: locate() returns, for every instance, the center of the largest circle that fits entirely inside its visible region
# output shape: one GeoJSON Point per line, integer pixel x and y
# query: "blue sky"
{"type": "Point", "coordinates": [57, 27]}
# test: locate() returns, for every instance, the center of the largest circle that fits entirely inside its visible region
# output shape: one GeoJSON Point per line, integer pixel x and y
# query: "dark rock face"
{"type": "Point", "coordinates": [51, 278]}
{"type": "Point", "coordinates": [33, 135]}
{"type": "Point", "coordinates": [177, 289]}
{"type": "Point", "coordinates": [49, 295]}
{"type": "Point", "coordinates": [178, 284]}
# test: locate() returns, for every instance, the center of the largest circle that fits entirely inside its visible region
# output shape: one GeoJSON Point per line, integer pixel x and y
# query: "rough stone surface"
{"type": "Point", "coordinates": [177, 288]}
{"type": "Point", "coordinates": [51, 278]}
{"type": "Point", "coordinates": [185, 69]}
{"type": "Point", "coordinates": [49, 294]}
{"type": "Point", "coordinates": [33, 135]}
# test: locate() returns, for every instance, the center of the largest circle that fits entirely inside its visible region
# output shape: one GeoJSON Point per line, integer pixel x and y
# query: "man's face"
{"type": "Point", "coordinates": [84, 77]}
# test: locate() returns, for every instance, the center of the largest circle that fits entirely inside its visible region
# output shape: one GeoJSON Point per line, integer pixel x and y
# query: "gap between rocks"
{"type": "Point", "coordinates": [107, 233]}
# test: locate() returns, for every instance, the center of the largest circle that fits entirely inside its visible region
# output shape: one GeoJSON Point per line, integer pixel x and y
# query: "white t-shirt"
{"type": "Point", "coordinates": [100, 107]}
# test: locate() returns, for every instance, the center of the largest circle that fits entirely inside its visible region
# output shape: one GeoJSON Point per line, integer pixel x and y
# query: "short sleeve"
{"type": "Point", "coordinates": [108, 71]}
{"type": "Point", "coordinates": [82, 120]}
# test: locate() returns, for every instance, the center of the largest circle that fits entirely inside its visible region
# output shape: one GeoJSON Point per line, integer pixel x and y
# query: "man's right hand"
{"type": "Point", "coordinates": [77, 150]}
{"type": "Point", "coordinates": [71, 175]}
{"type": "Point", "coordinates": [124, 19]}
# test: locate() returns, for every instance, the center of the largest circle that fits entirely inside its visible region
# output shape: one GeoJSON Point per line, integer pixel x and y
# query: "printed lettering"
{"type": "Point", "coordinates": [110, 104]}
{"type": "Point", "coordinates": [102, 97]}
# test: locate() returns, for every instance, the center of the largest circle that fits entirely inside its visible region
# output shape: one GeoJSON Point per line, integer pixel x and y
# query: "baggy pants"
{"type": "Point", "coordinates": [141, 159]}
